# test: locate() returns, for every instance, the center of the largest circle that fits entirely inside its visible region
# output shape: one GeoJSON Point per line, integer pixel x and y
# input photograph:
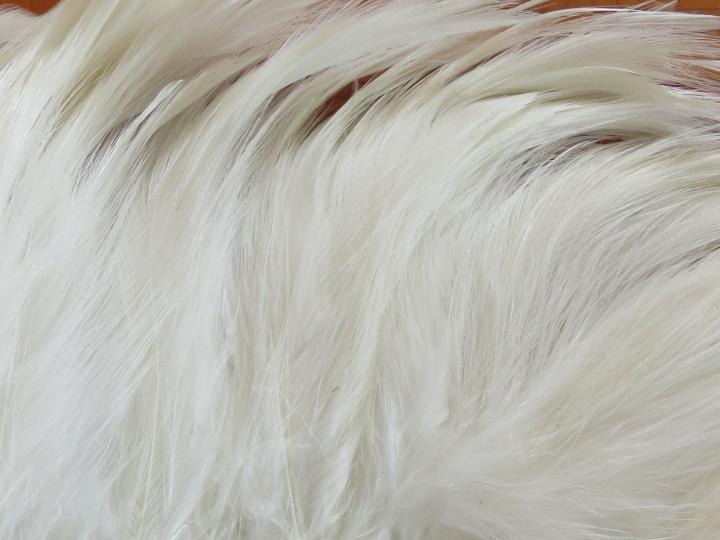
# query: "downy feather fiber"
{"type": "Point", "coordinates": [319, 269]}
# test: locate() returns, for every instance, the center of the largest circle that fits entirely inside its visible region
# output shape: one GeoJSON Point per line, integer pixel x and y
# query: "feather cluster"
{"type": "Point", "coordinates": [398, 269]}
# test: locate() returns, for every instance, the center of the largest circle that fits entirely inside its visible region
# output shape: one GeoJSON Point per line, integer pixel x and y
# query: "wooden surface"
{"type": "Point", "coordinates": [704, 6]}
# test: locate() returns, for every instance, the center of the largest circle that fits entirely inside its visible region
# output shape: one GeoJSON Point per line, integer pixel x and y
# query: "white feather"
{"type": "Point", "coordinates": [400, 269]}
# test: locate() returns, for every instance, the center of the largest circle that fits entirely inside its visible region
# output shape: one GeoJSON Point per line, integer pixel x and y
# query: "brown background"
{"type": "Point", "coordinates": [38, 6]}
{"type": "Point", "coordinates": [701, 6]}
{"type": "Point", "coordinates": [706, 6]}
